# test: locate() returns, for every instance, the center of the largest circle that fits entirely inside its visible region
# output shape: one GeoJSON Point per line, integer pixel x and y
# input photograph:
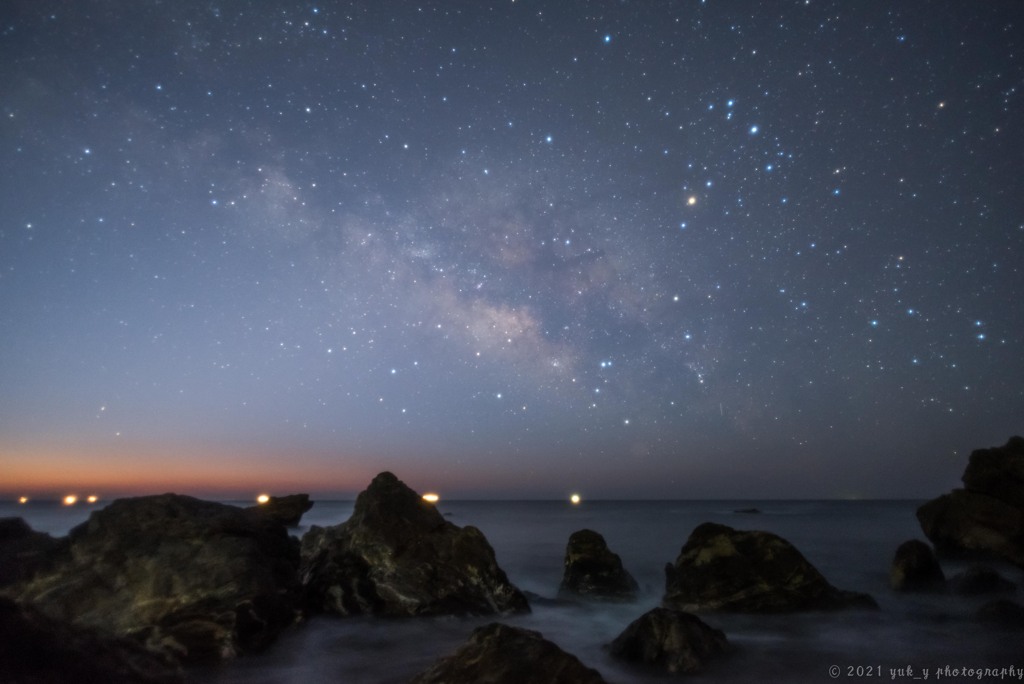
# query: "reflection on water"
{"type": "Point", "coordinates": [852, 543]}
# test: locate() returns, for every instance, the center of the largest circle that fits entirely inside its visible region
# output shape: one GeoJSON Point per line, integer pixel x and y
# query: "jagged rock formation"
{"type": "Point", "coordinates": [37, 650]}
{"type": "Point", "coordinates": [397, 555]}
{"type": "Point", "coordinates": [198, 580]}
{"type": "Point", "coordinates": [987, 515]}
{"type": "Point", "coordinates": [25, 552]}
{"type": "Point", "coordinates": [500, 654]}
{"type": "Point", "coordinates": [915, 568]}
{"type": "Point", "coordinates": [723, 569]}
{"type": "Point", "coordinates": [669, 640]}
{"type": "Point", "coordinates": [593, 571]}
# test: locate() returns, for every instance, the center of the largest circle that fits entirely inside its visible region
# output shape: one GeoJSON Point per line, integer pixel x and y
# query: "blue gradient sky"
{"type": "Point", "coordinates": [516, 249]}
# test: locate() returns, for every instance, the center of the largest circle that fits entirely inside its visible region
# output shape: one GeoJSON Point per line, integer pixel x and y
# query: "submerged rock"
{"type": "Point", "coordinates": [500, 654]}
{"type": "Point", "coordinates": [25, 552]}
{"type": "Point", "coordinates": [35, 649]}
{"type": "Point", "coordinates": [196, 579]}
{"type": "Point", "coordinates": [397, 555]}
{"type": "Point", "coordinates": [593, 571]}
{"type": "Point", "coordinates": [980, 579]}
{"type": "Point", "coordinates": [669, 640]}
{"type": "Point", "coordinates": [720, 568]}
{"type": "Point", "coordinates": [915, 568]}
{"type": "Point", "coordinates": [987, 516]}
{"type": "Point", "coordinates": [288, 510]}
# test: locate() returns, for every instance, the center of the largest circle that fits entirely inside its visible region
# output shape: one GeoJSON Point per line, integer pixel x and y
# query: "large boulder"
{"type": "Point", "coordinates": [35, 649]}
{"type": "Point", "coordinates": [669, 640]}
{"type": "Point", "coordinates": [593, 571]}
{"type": "Point", "coordinates": [722, 569]}
{"type": "Point", "coordinates": [25, 552]}
{"type": "Point", "coordinates": [288, 510]}
{"type": "Point", "coordinates": [397, 555]}
{"type": "Point", "coordinates": [915, 568]}
{"type": "Point", "coordinates": [980, 579]}
{"type": "Point", "coordinates": [200, 580]}
{"type": "Point", "coordinates": [987, 516]}
{"type": "Point", "coordinates": [500, 654]}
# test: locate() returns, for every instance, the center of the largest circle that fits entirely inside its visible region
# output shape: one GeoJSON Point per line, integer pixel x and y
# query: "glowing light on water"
{"type": "Point", "coordinates": [430, 497]}
{"type": "Point", "coordinates": [93, 498]}
{"type": "Point", "coordinates": [575, 499]}
{"type": "Point", "coordinates": [263, 498]}
{"type": "Point", "coordinates": [23, 499]}
{"type": "Point", "coordinates": [70, 500]}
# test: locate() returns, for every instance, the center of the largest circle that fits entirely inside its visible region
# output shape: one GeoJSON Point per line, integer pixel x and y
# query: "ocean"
{"type": "Point", "coordinates": [851, 542]}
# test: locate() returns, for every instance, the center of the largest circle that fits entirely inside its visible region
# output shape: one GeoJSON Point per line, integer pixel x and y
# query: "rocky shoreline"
{"type": "Point", "coordinates": [151, 587]}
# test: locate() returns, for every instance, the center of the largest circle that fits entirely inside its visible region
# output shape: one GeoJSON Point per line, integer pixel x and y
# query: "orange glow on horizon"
{"type": "Point", "coordinates": [70, 500]}
{"type": "Point", "coordinates": [263, 498]}
{"type": "Point", "coordinates": [430, 497]}
{"type": "Point", "coordinates": [93, 498]}
{"type": "Point", "coordinates": [22, 499]}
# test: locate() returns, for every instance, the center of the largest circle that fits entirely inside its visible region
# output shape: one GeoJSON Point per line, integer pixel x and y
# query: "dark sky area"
{"type": "Point", "coordinates": [514, 249]}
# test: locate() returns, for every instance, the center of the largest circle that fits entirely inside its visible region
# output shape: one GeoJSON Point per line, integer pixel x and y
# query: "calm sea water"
{"type": "Point", "coordinates": [851, 542]}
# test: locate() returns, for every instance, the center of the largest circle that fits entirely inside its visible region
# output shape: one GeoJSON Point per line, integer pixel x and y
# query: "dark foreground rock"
{"type": "Point", "coordinates": [500, 654]}
{"type": "Point", "coordinates": [397, 555]}
{"type": "Point", "coordinates": [25, 552]}
{"type": "Point", "coordinates": [287, 510]}
{"type": "Point", "coordinates": [199, 580]}
{"type": "Point", "coordinates": [987, 516]}
{"type": "Point", "coordinates": [1002, 613]}
{"type": "Point", "coordinates": [592, 571]}
{"type": "Point", "coordinates": [669, 640]}
{"type": "Point", "coordinates": [978, 580]}
{"type": "Point", "coordinates": [37, 650]}
{"type": "Point", "coordinates": [915, 568]}
{"type": "Point", "coordinates": [722, 569]}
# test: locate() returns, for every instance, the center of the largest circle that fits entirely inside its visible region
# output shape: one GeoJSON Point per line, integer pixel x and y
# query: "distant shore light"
{"type": "Point", "coordinates": [575, 499]}
{"type": "Point", "coordinates": [263, 498]}
{"type": "Point", "coordinates": [93, 498]}
{"type": "Point", "coordinates": [23, 499]}
{"type": "Point", "coordinates": [430, 497]}
{"type": "Point", "coordinates": [70, 500]}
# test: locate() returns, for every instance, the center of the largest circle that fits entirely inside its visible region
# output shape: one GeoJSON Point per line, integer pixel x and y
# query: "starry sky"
{"type": "Point", "coordinates": [510, 248]}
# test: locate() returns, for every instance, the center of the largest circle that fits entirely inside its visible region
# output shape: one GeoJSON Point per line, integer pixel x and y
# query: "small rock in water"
{"type": "Point", "coordinates": [288, 510]}
{"type": "Point", "coordinates": [915, 568]}
{"type": "Point", "coordinates": [720, 568]}
{"type": "Point", "coordinates": [980, 579]}
{"type": "Point", "coordinates": [669, 640]}
{"type": "Point", "coordinates": [592, 571]}
{"type": "Point", "coordinates": [500, 654]}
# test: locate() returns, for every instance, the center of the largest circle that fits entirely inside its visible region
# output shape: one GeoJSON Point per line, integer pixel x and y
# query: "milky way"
{"type": "Point", "coordinates": [649, 249]}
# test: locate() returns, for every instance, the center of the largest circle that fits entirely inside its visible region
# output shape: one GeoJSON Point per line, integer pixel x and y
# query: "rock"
{"type": "Point", "coordinates": [201, 580]}
{"type": "Point", "coordinates": [723, 569]}
{"type": "Point", "coordinates": [1002, 613]}
{"type": "Point", "coordinates": [37, 650]}
{"type": "Point", "coordinates": [500, 654]}
{"type": "Point", "coordinates": [593, 571]}
{"type": "Point", "coordinates": [987, 516]}
{"type": "Point", "coordinates": [24, 552]}
{"type": "Point", "coordinates": [979, 579]}
{"type": "Point", "coordinates": [915, 568]}
{"type": "Point", "coordinates": [669, 640]}
{"type": "Point", "coordinates": [747, 511]}
{"type": "Point", "coordinates": [397, 555]}
{"type": "Point", "coordinates": [287, 510]}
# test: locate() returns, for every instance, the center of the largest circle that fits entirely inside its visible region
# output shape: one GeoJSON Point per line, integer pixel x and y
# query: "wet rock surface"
{"type": "Point", "coordinates": [987, 516]}
{"type": "Point", "coordinates": [915, 568]}
{"type": "Point", "coordinates": [197, 580]}
{"type": "Point", "coordinates": [722, 569]}
{"type": "Point", "coordinates": [500, 654]}
{"type": "Point", "coordinates": [397, 555]}
{"type": "Point", "coordinates": [592, 571]}
{"type": "Point", "coordinates": [671, 641]}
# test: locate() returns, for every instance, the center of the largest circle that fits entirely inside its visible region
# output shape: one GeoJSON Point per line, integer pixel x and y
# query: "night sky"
{"type": "Point", "coordinates": [513, 249]}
